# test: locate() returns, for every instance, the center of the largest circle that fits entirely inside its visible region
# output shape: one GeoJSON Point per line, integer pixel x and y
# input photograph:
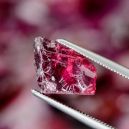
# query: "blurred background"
{"type": "Point", "coordinates": [98, 25]}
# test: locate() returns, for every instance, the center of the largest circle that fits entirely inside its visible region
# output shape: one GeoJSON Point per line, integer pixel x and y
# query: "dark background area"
{"type": "Point", "coordinates": [101, 26]}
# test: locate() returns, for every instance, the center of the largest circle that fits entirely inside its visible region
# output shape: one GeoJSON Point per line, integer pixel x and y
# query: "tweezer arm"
{"type": "Point", "coordinates": [119, 69]}
{"type": "Point", "coordinates": [85, 119]}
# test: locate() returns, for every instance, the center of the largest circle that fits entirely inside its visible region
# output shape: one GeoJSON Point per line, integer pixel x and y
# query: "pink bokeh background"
{"type": "Point", "coordinates": [98, 25]}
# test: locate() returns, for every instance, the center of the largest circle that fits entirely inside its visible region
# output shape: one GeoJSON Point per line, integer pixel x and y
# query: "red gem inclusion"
{"type": "Point", "coordinates": [61, 70]}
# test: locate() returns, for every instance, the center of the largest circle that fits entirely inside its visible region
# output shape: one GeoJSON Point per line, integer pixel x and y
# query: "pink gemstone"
{"type": "Point", "coordinates": [61, 70]}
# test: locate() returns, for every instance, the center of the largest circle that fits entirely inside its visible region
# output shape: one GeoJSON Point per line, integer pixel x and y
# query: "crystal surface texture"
{"type": "Point", "coordinates": [61, 70]}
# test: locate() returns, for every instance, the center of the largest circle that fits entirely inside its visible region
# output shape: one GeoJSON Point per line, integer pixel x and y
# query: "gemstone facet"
{"type": "Point", "coordinates": [61, 70]}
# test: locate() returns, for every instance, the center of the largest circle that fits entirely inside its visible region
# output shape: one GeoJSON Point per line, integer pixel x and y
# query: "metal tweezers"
{"type": "Point", "coordinates": [102, 61]}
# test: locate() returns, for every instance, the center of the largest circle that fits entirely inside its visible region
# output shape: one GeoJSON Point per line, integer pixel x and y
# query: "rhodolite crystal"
{"type": "Point", "coordinates": [61, 70]}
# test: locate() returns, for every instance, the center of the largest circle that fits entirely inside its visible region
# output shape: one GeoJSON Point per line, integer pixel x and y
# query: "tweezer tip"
{"type": "Point", "coordinates": [33, 91]}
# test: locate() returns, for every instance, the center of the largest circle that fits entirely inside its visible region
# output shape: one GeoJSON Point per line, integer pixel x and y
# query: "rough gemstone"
{"type": "Point", "coordinates": [61, 70]}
